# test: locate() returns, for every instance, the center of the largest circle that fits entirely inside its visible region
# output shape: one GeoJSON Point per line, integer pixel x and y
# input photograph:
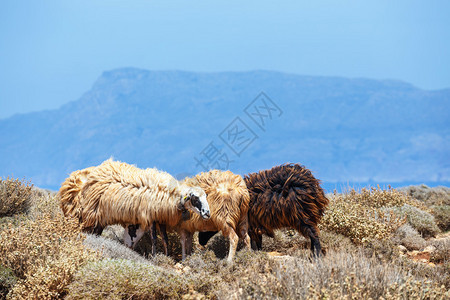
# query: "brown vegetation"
{"type": "Point", "coordinates": [15, 197]}
{"type": "Point", "coordinates": [45, 256]}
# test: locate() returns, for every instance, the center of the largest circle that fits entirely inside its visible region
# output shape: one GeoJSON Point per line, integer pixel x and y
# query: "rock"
{"type": "Point", "coordinates": [178, 266]}
{"type": "Point", "coordinates": [429, 249]}
{"type": "Point", "coordinates": [187, 269]}
{"type": "Point", "coordinates": [402, 248]}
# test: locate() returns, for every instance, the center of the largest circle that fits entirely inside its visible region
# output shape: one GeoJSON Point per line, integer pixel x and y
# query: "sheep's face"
{"type": "Point", "coordinates": [195, 200]}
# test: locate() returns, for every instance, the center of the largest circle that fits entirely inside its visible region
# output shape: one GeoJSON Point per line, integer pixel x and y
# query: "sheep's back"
{"type": "Point", "coordinates": [284, 196]}
{"type": "Point", "coordinates": [227, 196]}
{"type": "Point", "coordinates": [118, 193]}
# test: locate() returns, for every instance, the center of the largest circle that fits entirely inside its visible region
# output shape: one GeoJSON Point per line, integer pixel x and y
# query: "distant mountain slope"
{"type": "Point", "coordinates": [343, 129]}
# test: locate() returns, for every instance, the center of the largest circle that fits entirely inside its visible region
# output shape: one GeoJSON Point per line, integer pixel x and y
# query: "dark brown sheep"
{"type": "Point", "coordinates": [286, 196]}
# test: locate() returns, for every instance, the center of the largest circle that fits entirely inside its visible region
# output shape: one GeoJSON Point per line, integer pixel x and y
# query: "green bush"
{"type": "Point", "coordinates": [15, 197]}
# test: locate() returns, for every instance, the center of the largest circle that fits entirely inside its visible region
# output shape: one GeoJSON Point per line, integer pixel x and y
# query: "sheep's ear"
{"type": "Point", "coordinates": [184, 199]}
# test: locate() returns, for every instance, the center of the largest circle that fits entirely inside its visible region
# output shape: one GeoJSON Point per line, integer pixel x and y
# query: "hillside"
{"type": "Point", "coordinates": [345, 130]}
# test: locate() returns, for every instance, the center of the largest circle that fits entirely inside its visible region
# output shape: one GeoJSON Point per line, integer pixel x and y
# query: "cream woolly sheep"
{"type": "Point", "coordinates": [228, 199]}
{"type": "Point", "coordinates": [68, 193]}
{"type": "Point", "coordinates": [119, 193]}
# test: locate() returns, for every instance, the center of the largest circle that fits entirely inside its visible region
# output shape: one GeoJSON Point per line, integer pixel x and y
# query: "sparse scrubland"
{"type": "Point", "coordinates": [379, 243]}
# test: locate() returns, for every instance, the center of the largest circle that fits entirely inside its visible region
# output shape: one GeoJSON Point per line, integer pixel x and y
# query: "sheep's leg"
{"type": "Point", "coordinates": [234, 239]}
{"type": "Point", "coordinates": [311, 232]}
{"type": "Point", "coordinates": [154, 237]}
{"type": "Point", "coordinates": [257, 242]}
{"type": "Point", "coordinates": [183, 244]}
{"type": "Point", "coordinates": [189, 237]}
{"type": "Point", "coordinates": [253, 244]}
{"type": "Point", "coordinates": [132, 234]}
{"type": "Point", "coordinates": [247, 242]}
{"type": "Point", "coordinates": [245, 237]}
{"type": "Point", "coordinates": [314, 236]}
{"type": "Point", "coordinates": [165, 239]}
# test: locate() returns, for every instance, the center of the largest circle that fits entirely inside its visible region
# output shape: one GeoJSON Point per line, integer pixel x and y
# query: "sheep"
{"type": "Point", "coordinates": [68, 193]}
{"type": "Point", "coordinates": [119, 193]}
{"type": "Point", "coordinates": [70, 205]}
{"type": "Point", "coordinates": [228, 199]}
{"type": "Point", "coordinates": [286, 196]}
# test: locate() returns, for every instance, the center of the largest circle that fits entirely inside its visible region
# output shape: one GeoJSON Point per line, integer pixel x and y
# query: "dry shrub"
{"type": "Point", "coordinates": [7, 281]}
{"type": "Point", "coordinates": [114, 232]}
{"type": "Point", "coordinates": [377, 197]}
{"type": "Point", "coordinates": [15, 197]}
{"type": "Point", "coordinates": [161, 260]}
{"type": "Point", "coordinates": [360, 215]}
{"type": "Point", "coordinates": [409, 237]}
{"type": "Point", "coordinates": [108, 248]}
{"type": "Point", "coordinates": [340, 275]}
{"type": "Point", "coordinates": [44, 203]}
{"type": "Point", "coordinates": [422, 221]}
{"type": "Point", "coordinates": [144, 245]}
{"type": "Point", "coordinates": [219, 245]}
{"type": "Point", "coordinates": [336, 241]}
{"type": "Point", "coordinates": [15, 220]}
{"type": "Point", "coordinates": [44, 254]}
{"type": "Point", "coordinates": [125, 279]}
{"type": "Point", "coordinates": [438, 274]}
{"type": "Point", "coordinates": [442, 253]}
{"type": "Point", "coordinates": [211, 275]}
{"type": "Point", "coordinates": [429, 196]}
{"type": "Point", "coordinates": [441, 214]}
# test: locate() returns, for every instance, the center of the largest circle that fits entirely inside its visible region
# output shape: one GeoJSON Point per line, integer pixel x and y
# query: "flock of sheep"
{"type": "Point", "coordinates": [286, 196]}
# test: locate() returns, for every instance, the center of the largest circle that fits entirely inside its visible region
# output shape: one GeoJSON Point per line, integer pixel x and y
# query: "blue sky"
{"type": "Point", "coordinates": [52, 51]}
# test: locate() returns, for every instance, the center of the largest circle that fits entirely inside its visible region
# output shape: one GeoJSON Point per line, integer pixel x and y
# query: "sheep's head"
{"type": "Point", "coordinates": [255, 235]}
{"type": "Point", "coordinates": [194, 198]}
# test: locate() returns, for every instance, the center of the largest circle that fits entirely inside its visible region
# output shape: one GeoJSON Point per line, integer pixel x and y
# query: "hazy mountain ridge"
{"type": "Point", "coordinates": [343, 129]}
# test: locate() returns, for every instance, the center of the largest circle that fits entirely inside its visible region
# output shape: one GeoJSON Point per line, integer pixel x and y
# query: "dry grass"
{"type": "Point", "coordinates": [339, 275]}
{"type": "Point", "coordinates": [126, 279]}
{"type": "Point", "coordinates": [43, 255]}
